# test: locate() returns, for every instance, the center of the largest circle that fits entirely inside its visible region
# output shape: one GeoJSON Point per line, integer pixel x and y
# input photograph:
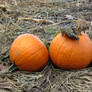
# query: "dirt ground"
{"type": "Point", "coordinates": [21, 16]}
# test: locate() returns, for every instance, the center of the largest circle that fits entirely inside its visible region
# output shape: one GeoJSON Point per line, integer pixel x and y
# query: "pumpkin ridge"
{"type": "Point", "coordinates": [30, 65]}
{"type": "Point", "coordinates": [58, 51]}
{"type": "Point", "coordinates": [72, 50]}
{"type": "Point", "coordinates": [15, 57]}
{"type": "Point", "coordinates": [27, 55]}
{"type": "Point", "coordinates": [65, 48]}
{"type": "Point", "coordinates": [57, 48]}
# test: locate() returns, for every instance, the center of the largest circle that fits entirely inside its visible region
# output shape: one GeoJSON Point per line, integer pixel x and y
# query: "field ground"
{"type": "Point", "coordinates": [18, 17]}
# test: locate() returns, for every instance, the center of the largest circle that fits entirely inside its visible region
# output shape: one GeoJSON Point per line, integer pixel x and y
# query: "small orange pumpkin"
{"type": "Point", "coordinates": [28, 53]}
{"type": "Point", "coordinates": [71, 54]}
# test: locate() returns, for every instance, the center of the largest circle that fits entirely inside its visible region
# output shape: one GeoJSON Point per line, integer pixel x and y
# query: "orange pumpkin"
{"type": "Point", "coordinates": [28, 53]}
{"type": "Point", "coordinates": [71, 54]}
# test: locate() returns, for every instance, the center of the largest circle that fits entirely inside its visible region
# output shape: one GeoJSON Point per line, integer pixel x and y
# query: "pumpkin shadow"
{"type": "Point", "coordinates": [35, 89]}
{"type": "Point", "coordinates": [58, 68]}
{"type": "Point", "coordinates": [43, 68]}
{"type": "Point", "coordinates": [90, 65]}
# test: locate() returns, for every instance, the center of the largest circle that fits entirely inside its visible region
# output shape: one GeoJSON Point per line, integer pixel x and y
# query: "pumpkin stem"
{"type": "Point", "coordinates": [70, 32]}
{"type": "Point", "coordinates": [12, 68]}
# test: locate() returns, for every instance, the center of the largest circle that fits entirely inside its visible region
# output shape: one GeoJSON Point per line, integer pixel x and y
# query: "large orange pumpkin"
{"type": "Point", "coordinates": [28, 53]}
{"type": "Point", "coordinates": [71, 54]}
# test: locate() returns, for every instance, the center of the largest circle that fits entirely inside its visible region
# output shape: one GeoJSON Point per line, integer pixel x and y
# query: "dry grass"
{"type": "Point", "coordinates": [42, 19]}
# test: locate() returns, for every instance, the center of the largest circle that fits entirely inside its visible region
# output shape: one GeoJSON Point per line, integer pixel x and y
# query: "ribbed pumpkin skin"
{"type": "Point", "coordinates": [28, 53]}
{"type": "Point", "coordinates": [71, 54]}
